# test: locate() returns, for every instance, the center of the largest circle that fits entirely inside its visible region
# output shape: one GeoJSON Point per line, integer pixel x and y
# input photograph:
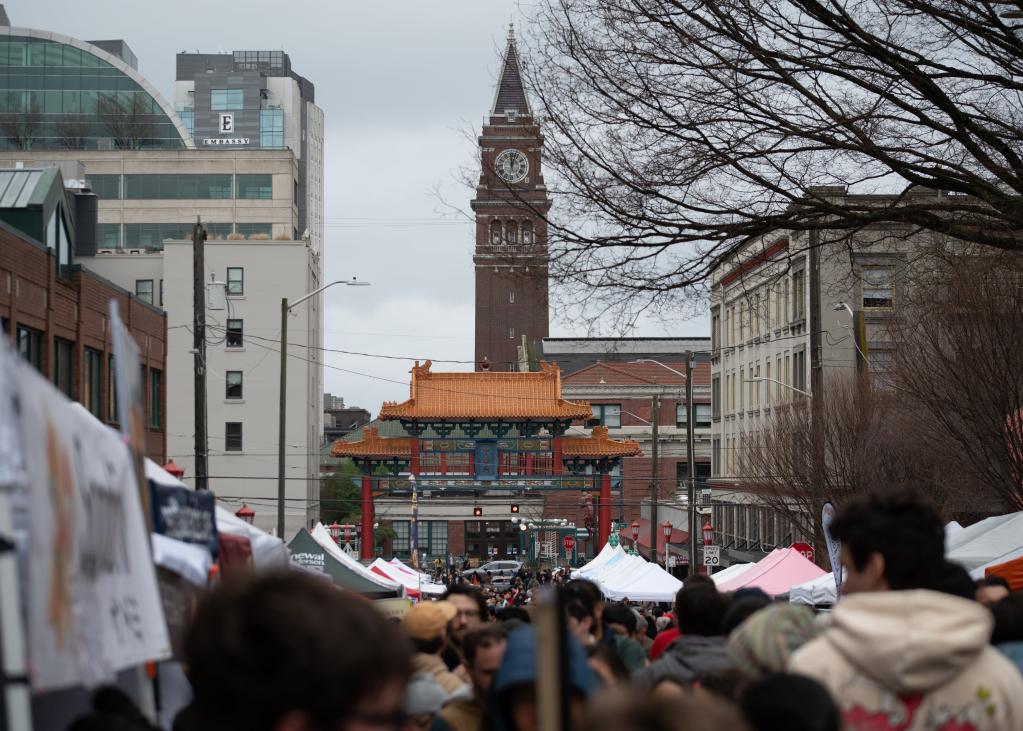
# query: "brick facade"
{"type": "Point", "coordinates": [72, 307]}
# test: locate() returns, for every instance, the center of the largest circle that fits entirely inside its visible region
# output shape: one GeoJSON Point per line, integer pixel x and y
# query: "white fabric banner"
{"type": "Point", "coordinates": [93, 603]}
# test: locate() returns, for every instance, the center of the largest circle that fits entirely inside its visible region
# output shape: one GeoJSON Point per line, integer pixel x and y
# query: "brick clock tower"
{"type": "Point", "coordinates": [511, 203]}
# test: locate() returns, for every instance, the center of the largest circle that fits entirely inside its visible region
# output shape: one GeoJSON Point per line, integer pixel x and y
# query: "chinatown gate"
{"type": "Point", "coordinates": [478, 440]}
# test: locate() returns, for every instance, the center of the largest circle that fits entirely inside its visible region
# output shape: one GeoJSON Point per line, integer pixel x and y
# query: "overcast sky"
{"type": "Point", "coordinates": [400, 82]}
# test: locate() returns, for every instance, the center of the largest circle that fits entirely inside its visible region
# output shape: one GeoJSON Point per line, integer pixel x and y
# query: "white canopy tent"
{"type": "Point", "coordinates": [727, 574]}
{"type": "Point", "coordinates": [406, 569]}
{"type": "Point", "coordinates": [991, 541]}
{"type": "Point", "coordinates": [623, 576]}
{"type": "Point", "coordinates": [606, 554]}
{"type": "Point", "coordinates": [816, 592]}
{"type": "Point", "coordinates": [322, 537]}
{"type": "Point", "coordinates": [411, 581]}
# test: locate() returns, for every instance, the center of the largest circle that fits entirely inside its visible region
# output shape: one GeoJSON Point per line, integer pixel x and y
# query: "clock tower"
{"type": "Point", "coordinates": [511, 205]}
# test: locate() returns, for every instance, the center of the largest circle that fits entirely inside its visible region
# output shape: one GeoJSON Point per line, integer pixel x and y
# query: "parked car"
{"type": "Point", "coordinates": [501, 572]}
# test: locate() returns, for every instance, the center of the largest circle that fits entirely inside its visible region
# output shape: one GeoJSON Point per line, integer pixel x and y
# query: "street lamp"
{"type": "Point", "coordinates": [635, 536]}
{"type": "Point", "coordinates": [285, 309]}
{"type": "Point", "coordinates": [761, 379]}
{"type": "Point", "coordinates": [246, 513]}
{"type": "Point", "coordinates": [335, 531]}
{"type": "Point", "coordinates": [690, 455]}
{"type": "Point", "coordinates": [667, 527]}
{"type": "Point", "coordinates": [839, 307]}
{"type": "Point", "coordinates": [708, 540]}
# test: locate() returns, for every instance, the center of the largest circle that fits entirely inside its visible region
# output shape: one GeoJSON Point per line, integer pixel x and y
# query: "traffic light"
{"type": "Point", "coordinates": [477, 511]}
{"type": "Point", "coordinates": [514, 508]}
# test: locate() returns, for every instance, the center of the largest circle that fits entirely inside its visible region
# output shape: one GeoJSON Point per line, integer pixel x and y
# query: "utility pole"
{"type": "Point", "coordinates": [199, 351]}
{"type": "Point", "coordinates": [691, 461]}
{"type": "Point", "coordinates": [282, 420]}
{"type": "Point", "coordinates": [655, 408]}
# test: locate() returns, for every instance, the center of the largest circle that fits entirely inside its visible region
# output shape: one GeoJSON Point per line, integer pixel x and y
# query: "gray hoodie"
{"type": "Point", "coordinates": [687, 659]}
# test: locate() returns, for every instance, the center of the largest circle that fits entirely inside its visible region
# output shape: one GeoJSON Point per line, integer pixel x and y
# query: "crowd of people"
{"type": "Point", "coordinates": [913, 645]}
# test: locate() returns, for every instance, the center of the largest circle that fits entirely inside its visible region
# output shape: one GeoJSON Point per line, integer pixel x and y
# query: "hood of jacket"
{"type": "Point", "coordinates": [909, 641]}
{"type": "Point", "coordinates": [689, 658]}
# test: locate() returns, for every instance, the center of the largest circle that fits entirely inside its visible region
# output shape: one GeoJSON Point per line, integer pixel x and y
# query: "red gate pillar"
{"type": "Point", "coordinates": [368, 539]}
{"type": "Point", "coordinates": [604, 510]}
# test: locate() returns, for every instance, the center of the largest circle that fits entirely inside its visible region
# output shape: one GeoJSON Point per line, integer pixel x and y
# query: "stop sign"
{"type": "Point", "coordinates": [568, 542]}
{"type": "Point", "coordinates": [804, 548]}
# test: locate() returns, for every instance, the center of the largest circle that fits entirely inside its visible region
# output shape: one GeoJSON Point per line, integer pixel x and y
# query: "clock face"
{"type": "Point", "coordinates": [512, 166]}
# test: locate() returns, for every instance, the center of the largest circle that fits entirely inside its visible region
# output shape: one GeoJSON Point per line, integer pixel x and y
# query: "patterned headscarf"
{"type": "Point", "coordinates": [764, 643]}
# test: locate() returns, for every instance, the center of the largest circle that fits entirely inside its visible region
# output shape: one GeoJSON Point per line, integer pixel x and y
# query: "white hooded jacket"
{"type": "Point", "coordinates": [914, 661]}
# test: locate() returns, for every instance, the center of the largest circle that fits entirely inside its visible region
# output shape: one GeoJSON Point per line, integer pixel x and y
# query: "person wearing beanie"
{"type": "Point", "coordinates": [764, 643]}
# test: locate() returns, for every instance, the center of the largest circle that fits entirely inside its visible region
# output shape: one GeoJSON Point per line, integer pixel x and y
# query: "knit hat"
{"type": "Point", "coordinates": [426, 620]}
{"type": "Point", "coordinates": [423, 695]}
{"type": "Point", "coordinates": [764, 643]}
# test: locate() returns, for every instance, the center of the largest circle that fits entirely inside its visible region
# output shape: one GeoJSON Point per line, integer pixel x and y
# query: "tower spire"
{"type": "Point", "coordinates": [510, 95]}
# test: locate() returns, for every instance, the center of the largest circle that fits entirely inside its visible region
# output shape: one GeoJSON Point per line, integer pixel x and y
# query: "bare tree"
{"type": "Point", "coordinates": [20, 128]}
{"type": "Point", "coordinates": [706, 122]}
{"type": "Point", "coordinates": [74, 131]}
{"type": "Point", "coordinates": [130, 123]}
{"type": "Point", "coordinates": [959, 368]}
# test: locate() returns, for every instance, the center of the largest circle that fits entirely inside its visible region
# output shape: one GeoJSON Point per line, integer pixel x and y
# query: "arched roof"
{"type": "Point", "coordinates": [114, 61]}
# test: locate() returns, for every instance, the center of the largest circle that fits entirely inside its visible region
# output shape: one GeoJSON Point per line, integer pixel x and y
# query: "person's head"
{"type": "Point", "coordinates": [607, 665]}
{"type": "Point", "coordinates": [1008, 615]}
{"type": "Point", "coordinates": [426, 624]}
{"type": "Point", "coordinates": [764, 643]}
{"type": "Point", "coordinates": [584, 607]}
{"type": "Point", "coordinates": [890, 542]}
{"type": "Point", "coordinates": [793, 702]}
{"type": "Point", "coordinates": [991, 590]}
{"type": "Point", "coordinates": [483, 650]}
{"type": "Point", "coordinates": [265, 653]}
{"type": "Point", "coordinates": [955, 580]}
{"type": "Point", "coordinates": [641, 625]}
{"type": "Point", "coordinates": [471, 610]}
{"type": "Point", "coordinates": [423, 701]}
{"type": "Point", "coordinates": [740, 611]}
{"type": "Point", "coordinates": [699, 610]}
{"type": "Point", "coordinates": [514, 688]}
{"type": "Point", "coordinates": [620, 619]}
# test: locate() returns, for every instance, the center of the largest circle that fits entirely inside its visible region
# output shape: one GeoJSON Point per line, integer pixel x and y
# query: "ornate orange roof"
{"type": "Point", "coordinates": [598, 444]}
{"type": "Point", "coordinates": [485, 396]}
{"type": "Point", "coordinates": [373, 445]}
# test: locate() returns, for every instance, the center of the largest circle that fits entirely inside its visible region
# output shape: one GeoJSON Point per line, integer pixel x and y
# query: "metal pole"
{"type": "Point", "coordinates": [654, 438]}
{"type": "Point", "coordinates": [282, 418]}
{"type": "Point", "coordinates": [691, 458]}
{"type": "Point", "coordinates": [198, 352]}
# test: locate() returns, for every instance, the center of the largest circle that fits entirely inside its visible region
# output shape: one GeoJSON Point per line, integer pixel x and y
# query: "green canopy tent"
{"type": "Point", "coordinates": [309, 554]}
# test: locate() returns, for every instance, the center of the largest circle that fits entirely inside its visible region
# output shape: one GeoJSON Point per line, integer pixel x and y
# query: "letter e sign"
{"type": "Point", "coordinates": [226, 123]}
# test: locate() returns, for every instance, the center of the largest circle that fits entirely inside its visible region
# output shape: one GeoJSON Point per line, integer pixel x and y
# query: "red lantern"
{"type": "Point", "coordinates": [667, 527]}
{"type": "Point", "coordinates": [174, 469]}
{"type": "Point", "coordinates": [708, 534]}
{"type": "Point", "coordinates": [244, 512]}
{"type": "Point", "coordinates": [335, 531]}
{"type": "Point", "coordinates": [635, 531]}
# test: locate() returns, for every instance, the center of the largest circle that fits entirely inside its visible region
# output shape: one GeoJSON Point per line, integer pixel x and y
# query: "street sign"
{"type": "Point", "coordinates": [569, 543]}
{"type": "Point", "coordinates": [712, 555]}
{"type": "Point", "coordinates": [805, 549]}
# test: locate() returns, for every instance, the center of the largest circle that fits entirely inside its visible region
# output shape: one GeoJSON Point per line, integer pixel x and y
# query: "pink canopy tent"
{"type": "Point", "coordinates": [776, 573]}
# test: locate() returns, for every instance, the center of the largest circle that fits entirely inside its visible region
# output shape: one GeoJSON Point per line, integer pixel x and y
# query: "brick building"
{"type": "Point", "coordinates": [621, 396]}
{"type": "Point", "coordinates": [55, 311]}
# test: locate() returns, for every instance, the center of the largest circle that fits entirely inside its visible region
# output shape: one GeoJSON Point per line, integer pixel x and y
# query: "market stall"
{"type": "Point", "coordinates": [776, 574]}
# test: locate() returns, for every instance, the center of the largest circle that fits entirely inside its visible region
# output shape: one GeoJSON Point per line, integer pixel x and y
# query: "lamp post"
{"type": "Point", "coordinates": [667, 528]}
{"type": "Point", "coordinates": [246, 513]}
{"type": "Point", "coordinates": [690, 457]}
{"type": "Point", "coordinates": [708, 540]}
{"type": "Point", "coordinates": [635, 537]}
{"type": "Point", "coordinates": [335, 531]}
{"type": "Point", "coordinates": [760, 379]}
{"type": "Point", "coordinates": [285, 309]}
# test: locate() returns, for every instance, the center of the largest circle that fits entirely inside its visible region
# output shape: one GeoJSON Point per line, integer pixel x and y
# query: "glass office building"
{"type": "Point", "coordinates": [58, 93]}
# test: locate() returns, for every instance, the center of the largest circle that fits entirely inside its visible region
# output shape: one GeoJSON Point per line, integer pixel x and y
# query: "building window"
{"type": "Point", "coordinates": [144, 290]}
{"type": "Point", "coordinates": [682, 474]}
{"type": "Point", "coordinates": [511, 333]}
{"type": "Point", "coordinates": [222, 100]}
{"type": "Point", "coordinates": [251, 230]}
{"type": "Point", "coordinates": [234, 385]}
{"type": "Point", "coordinates": [106, 187]}
{"type": "Point", "coordinates": [271, 129]}
{"type": "Point", "coordinates": [161, 293]}
{"type": "Point", "coordinates": [799, 371]}
{"type": "Point", "coordinates": [235, 280]}
{"type": "Point", "coordinates": [882, 366]}
{"type": "Point", "coordinates": [702, 416]}
{"type": "Point", "coordinates": [715, 395]}
{"type": "Point", "coordinates": [878, 285]}
{"type": "Point", "coordinates": [112, 415]}
{"type": "Point", "coordinates": [715, 329]}
{"type": "Point", "coordinates": [511, 296]}
{"type": "Point", "coordinates": [798, 296]}
{"type": "Point", "coordinates": [609, 415]}
{"type": "Point", "coordinates": [108, 236]}
{"type": "Point", "coordinates": [233, 436]}
{"type": "Point", "coordinates": [152, 235]}
{"type": "Point", "coordinates": [235, 333]}
{"type": "Point", "coordinates": [155, 400]}
{"type": "Point", "coordinates": [188, 119]}
{"type": "Point", "coordinates": [437, 538]}
{"type": "Point", "coordinates": [92, 393]}
{"type": "Point", "coordinates": [254, 187]}
{"type": "Point", "coordinates": [716, 457]}
{"type": "Point", "coordinates": [63, 365]}
{"type": "Point", "coordinates": [30, 345]}
{"type": "Point", "coordinates": [400, 542]}
{"type": "Point", "coordinates": [179, 186]}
